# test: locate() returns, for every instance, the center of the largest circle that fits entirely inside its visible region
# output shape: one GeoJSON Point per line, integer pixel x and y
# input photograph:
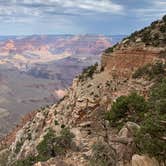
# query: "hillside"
{"type": "Point", "coordinates": [112, 115]}
{"type": "Point", "coordinates": [35, 70]}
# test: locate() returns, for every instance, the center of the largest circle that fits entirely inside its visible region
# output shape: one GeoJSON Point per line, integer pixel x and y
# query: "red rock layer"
{"type": "Point", "coordinates": [124, 62]}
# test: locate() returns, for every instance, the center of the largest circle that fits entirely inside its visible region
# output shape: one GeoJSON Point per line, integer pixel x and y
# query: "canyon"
{"type": "Point", "coordinates": [36, 70]}
{"type": "Point", "coordinates": [112, 115]}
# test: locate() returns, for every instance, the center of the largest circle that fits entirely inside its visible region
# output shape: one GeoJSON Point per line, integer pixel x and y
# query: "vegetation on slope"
{"type": "Point", "coordinates": [110, 49]}
{"type": "Point", "coordinates": [154, 35]}
{"type": "Point", "coordinates": [150, 115]}
{"type": "Point", "coordinates": [151, 71]}
{"type": "Point", "coordinates": [51, 146]}
{"type": "Point", "coordinates": [88, 72]}
{"type": "Point", "coordinates": [102, 155]}
{"type": "Point", "coordinates": [127, 108]}
{"type": "Point", "coordinates": [151, 139]}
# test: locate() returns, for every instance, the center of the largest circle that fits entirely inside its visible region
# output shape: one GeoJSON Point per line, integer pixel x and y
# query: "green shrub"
{"type": "Point", "coordinates": [163, 54]}
{"type": "Point", "coordinates": [56, 122]}
{"type": "Point", "coordinates": [157, 69]}
{"type": "Point", "coordinates": [102, 155]}
{"type": "Point", "coordinates": [157, 99]}
{"type": "Point", "coordinates": [18, 146]}
{"type": "Point", "coordinates": [127, 108]}
{"type": "Point", "coordinates": [50, 146]}
{"type": "Point", "coordinates": [29, 161]}
{"type": "Point", "coordinates": [53, 145]}
{"type": "Point", "coordinates": [153, 24]}
{"type": "Point", "coordinates": [141, 71]}
{"type": "Point", "coordinates": [151, 71]}
{"type": "Point", "coordinates": [160, 106]}
{"type": "Point", "coordinates": [46, 147]}
{"type": "Point", "coordinates": [63, 126]}
{"type": "Point", "coordinates": [109, 50]}
{"type": "Point", "coordinates": [163, 28]}
{"type": "Point", "coordinates": [164, 18]}
{"type": "Point", "coordinates": [146, 36]}
{"type": "Point", "coordinates": [150, 139]}
{"type": "Point", "coordinates": [88, 72]}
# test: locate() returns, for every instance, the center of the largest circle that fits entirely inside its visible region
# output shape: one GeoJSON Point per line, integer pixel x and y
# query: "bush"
{"type": "Point", "coordinates": [56, 122]}
{"type": "Point", "coordinates": [164, 18]}
{"type": "Point", "coordinates": [151, 71]}
{"type": "Point", "coordinates": [46, 148]}
{"type": "Point", "coordinates": [109, 50]}
{"type": "Point", "coordinates": [142, 71]}
{"type": "Point", "coordinates": [157, 99]}
{"type": "Point", "coordinates": [163, 54]}
{"type": "Point", "coordinates": [150, 139]}
{"type": "Point", "coordinates": [146, 36]}
{"type": "Point", "coordinates": [102, 155]}
{"type": "Point", "coordinates": [26, 162]}
{"type": "Point", "coordinates": [153, 24]}
{"type": "Point", "coordinates": [62, 126]}
{"type": "Point", "coordinates": [50, 146]}
{"type": "Point", "coordinates": [88, 72]}
{"type": "Point", "coordinates": [18, 146]}
{"type": "Point", "coordinates": [163, 28]}
{"type": "Point", "coordinates": [53, 145]}
{"type": "Point", "coordinates": [127, 108]}
{"type": "Point", "coordinates": [160, 106]}
{"type": "Point", "coordinates": [157, 69]}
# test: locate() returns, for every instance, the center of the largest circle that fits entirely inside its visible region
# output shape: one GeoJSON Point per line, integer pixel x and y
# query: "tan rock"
{"type": "Point", "coordinates": [138, 160]}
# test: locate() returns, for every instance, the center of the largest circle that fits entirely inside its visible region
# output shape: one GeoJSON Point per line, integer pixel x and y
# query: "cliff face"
{"type": "Point", "coordinates": [80, 117]}
{"type": "Point", "coordinates": [124, 62]}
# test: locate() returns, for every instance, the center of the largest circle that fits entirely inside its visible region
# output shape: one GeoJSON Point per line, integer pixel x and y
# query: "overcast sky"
{"type": "Point", "coordinates": [22, 17]}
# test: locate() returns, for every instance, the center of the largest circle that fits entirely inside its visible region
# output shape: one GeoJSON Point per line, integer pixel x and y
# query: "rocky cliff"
{"type": "Point", "coordinates": [106, 117]}
{"type": "Point", "coordinates": [46, 65]}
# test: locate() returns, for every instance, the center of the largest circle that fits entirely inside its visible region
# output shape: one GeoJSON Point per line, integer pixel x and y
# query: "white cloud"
{"type": "Point", "coordinates": [92, 5]}
{"type": "Point", "coordinates": [20, 10]}
{"type": "Point", "coordinates": [161, 4]}
{"type": "Point", "coordinates": [155, 10]}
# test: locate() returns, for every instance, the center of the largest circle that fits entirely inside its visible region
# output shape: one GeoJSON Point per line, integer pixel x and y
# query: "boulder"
{"type": "Point", "coordinates": [128, 130]}
{"type": "Point", "coordinates": [138, 160]}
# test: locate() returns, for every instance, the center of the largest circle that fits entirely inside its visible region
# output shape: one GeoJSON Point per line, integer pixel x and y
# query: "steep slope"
{"type": "Point", "coordinates": [100, 121]}
{"type": "Point", "coordinates": [46, 65]}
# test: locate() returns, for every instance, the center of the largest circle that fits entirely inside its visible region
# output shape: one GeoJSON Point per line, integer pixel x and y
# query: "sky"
{"type": "Point", "coordinates": [109, 17]}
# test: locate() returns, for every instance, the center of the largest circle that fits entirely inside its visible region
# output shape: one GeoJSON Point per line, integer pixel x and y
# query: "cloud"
{"type": "Point", "coordinates": [91, 5]}
{"type": "Point", "coordinates": [160, 3]}
{"type": "Point", "coordinates": [154, 10]}
{"type": "Point", "coordinates": [22, 10]}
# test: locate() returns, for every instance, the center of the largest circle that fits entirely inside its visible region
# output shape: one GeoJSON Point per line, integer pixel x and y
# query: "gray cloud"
{"type": "Point", "coordinates": [155, 10]}
{"type": "Point", "coordinates": [92, 5]}
{"type": "Point", "coordinates": [23, 9]}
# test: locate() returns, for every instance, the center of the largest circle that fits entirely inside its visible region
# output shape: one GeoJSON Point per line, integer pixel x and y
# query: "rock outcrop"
{"type": "Point", "coordinates": [138, 160]}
